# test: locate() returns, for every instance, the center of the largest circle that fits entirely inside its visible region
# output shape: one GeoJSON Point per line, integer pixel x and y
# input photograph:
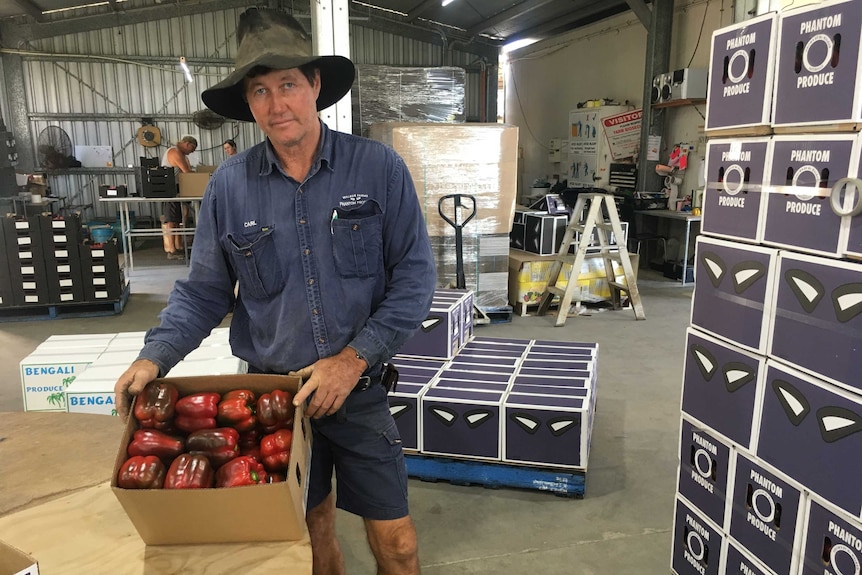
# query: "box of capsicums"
{"type": "Point", "coordinates": [215, 459]}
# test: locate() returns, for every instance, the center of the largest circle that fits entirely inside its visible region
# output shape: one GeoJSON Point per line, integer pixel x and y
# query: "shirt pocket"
{"type": "Point", "coordinates": [357, 241]}
{"type": "Point", "coordinates": [256, 262]}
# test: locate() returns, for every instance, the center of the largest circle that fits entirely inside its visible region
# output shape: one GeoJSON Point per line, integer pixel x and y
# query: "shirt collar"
{"type": "Point", "coordinates": [269, 160]}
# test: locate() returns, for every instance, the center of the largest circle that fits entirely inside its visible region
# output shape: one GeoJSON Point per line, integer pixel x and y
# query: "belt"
{"type": "Point", "coordinates": [364, 383]}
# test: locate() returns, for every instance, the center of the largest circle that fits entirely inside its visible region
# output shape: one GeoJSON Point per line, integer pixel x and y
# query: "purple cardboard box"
{"type": "Point", "coordinates": [733, 204]}
{"type": "Point", "coordinates": [404, 407]}
{"type": "Point", "coordinates": [697, 543]}
{"type": "Point", "coordinates": [459, 422]}
{"type": "Point", "coordinates": [465, 298]}
{"type": "Point", "coordinates": [833, 542]}
{"type": "Point", "coordinates": [548, 346]}
{"type": "Point", "coordinates": [809, 432]}
{"type": "Point", "coordinates": [738, 561]}
{"type": "Point", "coordinates": [733, 292]}
{"type": "Point", "coordinates": [852, 246]}
{"type": "Point", "coordinates": [722, 387]}
{"type": "Point", "coordinates": [490, 360]}
{"type": "Point", "coordinates": [705, 463]}
{"type": "Point", "coordinates": [496, 346]}
{"type": "Point", "coordinates": [547, 430]}
{"type": "Point", "coordinates": [767, 515]}
{"type": "Point", "coordinates": [561, 390]}
{"type": "Point", "coordinates": [816, 324]}
{"type": "Point", "coordinates": [818, 78]}
{"type": "Point", "coordinates": [741, 74]}
{"type": "Point", "coordinates": [439, 336]}
{"type": "Point", "coordinates": [798, 211]}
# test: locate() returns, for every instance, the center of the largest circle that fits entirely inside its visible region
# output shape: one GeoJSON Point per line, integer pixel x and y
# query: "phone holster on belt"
{"type": "Point", "coordinates": [390, 377]}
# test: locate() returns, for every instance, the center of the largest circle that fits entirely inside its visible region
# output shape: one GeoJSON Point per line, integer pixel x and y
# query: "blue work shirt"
{"type": "Point", "coordinates": [341, 258]}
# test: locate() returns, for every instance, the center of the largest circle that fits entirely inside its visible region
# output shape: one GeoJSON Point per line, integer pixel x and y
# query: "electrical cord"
{"type": "Point", "coordinates": [524, 115]}
{"type": "Point", "coordinates": [699, 35]}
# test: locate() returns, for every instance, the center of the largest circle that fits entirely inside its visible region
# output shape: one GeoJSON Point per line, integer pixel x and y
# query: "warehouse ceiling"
{"type": "Point", "coordinates": [486, 22]}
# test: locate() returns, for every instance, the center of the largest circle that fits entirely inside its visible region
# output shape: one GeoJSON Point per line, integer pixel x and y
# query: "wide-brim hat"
{"type": "Point", "coordinates": [274, 39]}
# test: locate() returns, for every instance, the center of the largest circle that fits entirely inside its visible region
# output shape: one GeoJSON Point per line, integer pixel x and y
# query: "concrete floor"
{"type": "Point", "coordinates": [624, 522]}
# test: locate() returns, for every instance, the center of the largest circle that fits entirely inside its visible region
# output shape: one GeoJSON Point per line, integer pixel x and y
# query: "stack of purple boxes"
{"type": "Point", "coordinates": [770, 475]}
{"type": "Point", "coordinates": [499, 400]}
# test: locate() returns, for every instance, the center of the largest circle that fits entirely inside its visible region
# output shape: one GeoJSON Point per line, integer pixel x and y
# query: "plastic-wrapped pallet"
{"type": "Point", "coordinates": [399, 94]}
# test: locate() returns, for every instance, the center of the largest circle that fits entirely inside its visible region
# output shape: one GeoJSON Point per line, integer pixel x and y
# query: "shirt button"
{"type": "Point", "coordinates": [314, 311]}
{"type": "Point", "coordinates": [302, 221]}
{"type": "Point", "coordinates": [311, 282]}
{"type": "Point", "coordinates": [321, 340]}
{"type": "Point", "coordinates": [355, 227]}
{"type": "Point", "coordinates": [307, 251]}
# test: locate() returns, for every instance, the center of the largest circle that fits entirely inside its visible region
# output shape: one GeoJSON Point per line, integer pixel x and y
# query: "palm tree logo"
{"type": "Point", "coordinates": [58, 399]}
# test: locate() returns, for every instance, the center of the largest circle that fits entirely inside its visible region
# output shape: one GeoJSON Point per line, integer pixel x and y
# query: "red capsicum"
{"type": "Point", "coordinates": [155, 442]}
{"type": "Point", "coordinates": [190, 472]}
{"type": "Point", "coordinates": [275, 449]}
{"type": "Point", "coordinates": [236, 410]}
{"type": "Point", "coordinates": [275, 410]}
{"type": "Point", "coordinates": [156, 404]}
{"type": "Point", "coordinates": [141, 472]}
{"type": "Point", "coordinates": [240, 471]}
{"type": "Point", "coordinates": [197, 411]}
{"type": "Point", "coordinates": [219, 445]}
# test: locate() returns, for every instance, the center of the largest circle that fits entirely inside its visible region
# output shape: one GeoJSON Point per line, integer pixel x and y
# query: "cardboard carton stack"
{"type": "Point", "coordinates": [508, 401]}
{"type": "Point", "coordinates": [473, 159]}
{"type": "Point", "coordinates": [771, 398]}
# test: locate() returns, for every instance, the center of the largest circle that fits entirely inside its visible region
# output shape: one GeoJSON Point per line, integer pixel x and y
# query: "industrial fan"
{"type": "Point", "coordinates": [207, 119]}
{"type": "Point", "coordinates": [55, 149]}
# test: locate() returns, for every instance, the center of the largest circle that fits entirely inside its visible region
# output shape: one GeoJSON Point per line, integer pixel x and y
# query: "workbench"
{"type": "Point", "coordinates": [56, 504]}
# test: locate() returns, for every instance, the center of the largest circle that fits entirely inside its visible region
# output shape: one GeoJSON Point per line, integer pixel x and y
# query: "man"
{"type": "Point", "coordinates": [175, 213]}
{"type": "Point", "coordinates": [229, 147]}
{"type": "Point", "coordinates": [325, 235]}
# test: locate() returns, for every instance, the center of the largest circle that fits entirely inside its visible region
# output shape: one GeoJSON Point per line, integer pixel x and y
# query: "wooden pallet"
{"type": "Point", "coordinates": [563, 482]}
{"type": "Point", "coordinates": [65, 310]}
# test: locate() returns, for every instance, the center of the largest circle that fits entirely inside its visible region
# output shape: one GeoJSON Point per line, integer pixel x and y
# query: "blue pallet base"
{"type": "Point", "coordinates": [495, 475]}
{"type": "Point", "coordinates": [66, 310]}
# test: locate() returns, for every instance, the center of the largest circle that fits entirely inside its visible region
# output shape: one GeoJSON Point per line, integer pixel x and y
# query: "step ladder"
{"type": "Point", "coordinates": [578, 233]}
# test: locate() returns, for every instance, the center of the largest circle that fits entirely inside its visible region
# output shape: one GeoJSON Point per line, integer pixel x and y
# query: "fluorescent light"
{"type": "Point", "coordinates": [185, 68]}
{"type": "Point", "coordinates": [517, 44]}
{"type": "Point", "coordinates": [447, 2]}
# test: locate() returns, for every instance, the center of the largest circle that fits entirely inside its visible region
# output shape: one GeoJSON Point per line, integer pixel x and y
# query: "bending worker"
{"type": "Point", "coordinates": [174, 214]}
{"type": "Point", "coordinates": [324, 232]}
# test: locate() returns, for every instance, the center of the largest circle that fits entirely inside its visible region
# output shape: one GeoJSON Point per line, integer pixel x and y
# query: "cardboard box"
{"type": "Point", "coordinates": [439, 335]}
{"type": "Point", "coordinates": [698, 545]}
{"type": "Point", "coordinates": [45, 376]}
{"type": "Point", "coordinates": [732, 297]}
{"type": "Point", "coordinates": [16, 562]}
{"type": "Point", "coordinates": [808, 433]}
{"type": "Point", "coordinates": [461, 422]}
{"type": "Point", "coordinates": [543, 233]}
{"type": "Point", "coordinates": [734, 202]}
{"type": "Point", "coordinates": [739, 561]}
{"type": "Point", "coordinates": [193, 185]}
{"type": "Point", "coordinates": [273, 512]}
{"type": "Point", "coordinates": [475, 159]}
{"type": "Point", "coordinates": [706, 464]}
{"type": "Point", "coordinates": [740, 77]}
{"type": "Point", "coordinates": [722, 388]}
{"type": "Point", "coordinates": [815, 323]}
{"type": "Point", "coordinates": [767, 515]}
{"type": "Point", "coordinates": [831, 541]}
{"type": "Point", "coordinates": [822, 88]}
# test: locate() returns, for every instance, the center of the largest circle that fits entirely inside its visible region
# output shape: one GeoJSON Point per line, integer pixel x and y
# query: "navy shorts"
{"type": "Point", "coordinates": [173, 212]}
{"type": "Point", "coordinates": [362, 444]}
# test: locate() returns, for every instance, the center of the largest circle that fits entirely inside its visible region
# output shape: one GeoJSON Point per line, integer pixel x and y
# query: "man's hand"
{"type": "Point", "coordinates": [132, 382]}
{"type": "Point", "coordinates": [331, 379]}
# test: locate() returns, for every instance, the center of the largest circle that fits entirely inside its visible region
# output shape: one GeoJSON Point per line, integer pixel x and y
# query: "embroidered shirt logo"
{"type": "Point", "coordinates": [351, 200]}
{"type": "Point", "coordinates": [250, 224]}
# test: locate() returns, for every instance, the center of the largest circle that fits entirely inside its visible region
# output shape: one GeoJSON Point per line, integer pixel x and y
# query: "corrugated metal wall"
{"type": "Point", "coordinates": [99, 102]}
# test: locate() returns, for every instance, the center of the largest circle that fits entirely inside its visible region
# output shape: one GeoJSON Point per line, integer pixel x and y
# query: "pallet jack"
{"type": "Point", "coordinates": [458, 203]}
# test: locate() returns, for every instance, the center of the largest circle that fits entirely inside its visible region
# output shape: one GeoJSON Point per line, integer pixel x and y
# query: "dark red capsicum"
{"type": "Point", "coordinates": [197, 411]}
{"type": "Point", "coordinates": [275, 410]}
{"type": "Point", "coordinates": [190, 472]}
{"type": "Point", "coordinates": [141, 472]}
{"type": "Point", "coordinates": [155, 442]}
{"type": "Point", "coordinates": [156, 404]}
{"type": "Point", "coordinates": [219, 445]}
{"type": "Point", "coordinates": [236, 410]}
{"type": "Point", "coordinates": [275, 449]}
{"type": "Point", "coordinates": [240, 471]}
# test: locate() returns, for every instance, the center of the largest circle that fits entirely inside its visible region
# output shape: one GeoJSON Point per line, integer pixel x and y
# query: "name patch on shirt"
{"type": "Point", "coordinates": [250, 224]}
{"type": "Point", "coordinates": [352, 200]}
